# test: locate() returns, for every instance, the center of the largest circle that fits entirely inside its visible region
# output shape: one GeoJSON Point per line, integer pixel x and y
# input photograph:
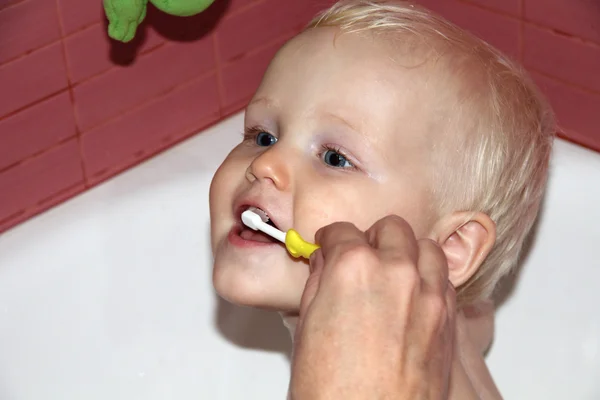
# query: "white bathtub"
{"type": "Point", "coordinates": [109, 295]}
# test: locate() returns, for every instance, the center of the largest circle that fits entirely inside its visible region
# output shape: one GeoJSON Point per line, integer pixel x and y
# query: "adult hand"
{"type": "Point", "coordinates": [377, 318]}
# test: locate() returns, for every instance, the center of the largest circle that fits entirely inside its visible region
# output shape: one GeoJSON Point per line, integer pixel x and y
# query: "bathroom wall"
{"type": "Point", "coordinates": [77, 108]}
{"type": "Point", "coordinates": [558, 41]}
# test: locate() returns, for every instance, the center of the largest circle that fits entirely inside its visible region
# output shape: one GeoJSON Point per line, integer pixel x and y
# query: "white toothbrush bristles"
{"type": "Point", "coordinates": [263, 215]}
{"type": "Point", "coordinates": [254, 221]}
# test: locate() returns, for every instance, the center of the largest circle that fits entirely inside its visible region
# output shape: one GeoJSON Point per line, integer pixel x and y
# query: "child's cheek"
{"type": "Point", "coordinates": [325, 210]}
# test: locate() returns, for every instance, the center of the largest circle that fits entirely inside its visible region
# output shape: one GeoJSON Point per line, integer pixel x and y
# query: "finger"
{"type": "Point", "coordinates": [312, 286]}
{"type": "Point", "coordinates": [433, 266]}
{"type": "Point", "coordinates": [312, 283]}
{"type": "Point", "coordinates": [339, 234]}
{"type": "Point", "coordinates": [394, 238]}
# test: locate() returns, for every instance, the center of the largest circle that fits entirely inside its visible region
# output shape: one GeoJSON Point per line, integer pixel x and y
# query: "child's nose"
{"type": "Point", "coordinates": [273, 167]}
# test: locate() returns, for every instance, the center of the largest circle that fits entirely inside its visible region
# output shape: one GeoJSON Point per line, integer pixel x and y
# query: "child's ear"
{"type": "Point", "coordinates": [466, 238]}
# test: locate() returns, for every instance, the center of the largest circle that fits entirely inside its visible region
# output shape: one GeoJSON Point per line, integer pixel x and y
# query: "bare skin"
{"type": "Point", "coordinates": [377, 320]}
{"type": "Point", "coordinates": [336, 126]}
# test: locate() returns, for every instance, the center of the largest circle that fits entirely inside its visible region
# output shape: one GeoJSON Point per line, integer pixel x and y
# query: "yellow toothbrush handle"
{"type": "Point", "coordinates": [297, 246]}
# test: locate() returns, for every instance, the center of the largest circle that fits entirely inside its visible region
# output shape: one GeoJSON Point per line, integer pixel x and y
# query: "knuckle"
{"type": "Point", "coordinates": [409, 275]}
{"type": "Point", "coordinates": [394, 219]}
{"type": "Point", "coordinates": [355, 262]}
{"type": "Point", "coordinates": [405, 267]}
{"type": "Point", "coordinates": [360, 255]}
{"type": "Point", "coordinates": [393, 223]}
{"type": "Point", "coordinates": [341, 225]}
{"type": "Point", "coordinates": [407, 281]}
{"type": "Point", "coordinates": [332, 230]}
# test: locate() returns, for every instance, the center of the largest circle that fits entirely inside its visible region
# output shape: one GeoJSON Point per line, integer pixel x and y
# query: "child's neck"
{"type": "Point", "coordinates": [290, 320]}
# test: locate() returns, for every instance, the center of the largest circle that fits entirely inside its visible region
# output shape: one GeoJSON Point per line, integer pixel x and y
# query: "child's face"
{"type": "Point", "coordinates": [336, 132]}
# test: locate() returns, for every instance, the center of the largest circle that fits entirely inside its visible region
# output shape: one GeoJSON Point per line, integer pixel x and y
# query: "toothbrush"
{"type": "Point", "coordinates": [294, 243]}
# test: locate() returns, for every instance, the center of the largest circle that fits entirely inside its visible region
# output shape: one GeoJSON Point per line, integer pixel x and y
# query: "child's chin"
{"type": "Point", "coordinates": [249, 297]}
{"type": "Point", "coordinates": [242, 290]}
{"type": "Point", "coordinates": [263, 283]}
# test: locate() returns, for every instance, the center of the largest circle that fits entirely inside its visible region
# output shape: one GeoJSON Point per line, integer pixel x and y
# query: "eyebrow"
{"type": "Point", "coordinates": [342, 120]}
{"type": "Point", "coordinates": [270, 103]}
{"type": "Point", "coordinates": [362, 135]}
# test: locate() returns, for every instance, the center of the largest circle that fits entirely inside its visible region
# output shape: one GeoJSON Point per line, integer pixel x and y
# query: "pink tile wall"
{"type": "Point", "coordinates": [558, 41]}
{"type": "Point", "coordinates": [40, 21]}
{"type": "Point", "coordinates": [77, 108]}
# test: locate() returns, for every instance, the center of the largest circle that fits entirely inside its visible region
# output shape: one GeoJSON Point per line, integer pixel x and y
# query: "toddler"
{"type": "Point", "coordinates": [378, 108]}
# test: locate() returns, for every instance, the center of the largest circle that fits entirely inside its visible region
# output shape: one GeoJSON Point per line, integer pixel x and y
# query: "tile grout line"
{"type": "Point", "coordinates": [490, 9]}
{"type": "Point", "coordinates": [219, 72]}
{"type": "Point", "coordinates": [93, 24]}
{"type": "Point", "coordinates": [28, 52]}
{"type": "Point", "coordinates": [37, 154]}
{"type": "Point", "coordinates": [116, 66]}
{"type": "Point", "coordinates": [9, 5]}
{"type": "Point", "coordinates": [149, 100]}
{"type": "Point", "coordinates": [523, 18]}
{"type": "Point", "coordinates": [71, 94]}
{"type": "Point", "coordinates": [63, 36]}
{"type": "Point", "coordinates": [547, 28]}
{"type": "Point", "coordinates": [145, 155]}
{"type": "Point", "coordinates": [70, 86]}
{"type": "Point", "coordinates": [38, 207]}
{"type": "Point", "coordinates": [32, 104]}
{"type": "Point", "coordinates": [257, 49]}
{"type": "Point", "coordinates": [522, 31]}
{"type": "Point", "coordinates": [242, 9]}
{"type": "Point", "coordinates": [563, 82]}
{"type": "Point", "coordinates": [221, 66]}
{"type": "Point", "coordinates": [105, 122]}
{"type": "Point", "coordinates": [522, 9]}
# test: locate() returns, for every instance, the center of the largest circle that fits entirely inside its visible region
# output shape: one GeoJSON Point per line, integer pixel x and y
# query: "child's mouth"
{"type": "Point", "coordinates": [251, 235]}
{"type": "Point", "coordinates": [256, 236]}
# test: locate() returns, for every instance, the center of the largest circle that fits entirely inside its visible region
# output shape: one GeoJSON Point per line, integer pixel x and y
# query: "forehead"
{"type": "Point", "coordinates": [362, 78]}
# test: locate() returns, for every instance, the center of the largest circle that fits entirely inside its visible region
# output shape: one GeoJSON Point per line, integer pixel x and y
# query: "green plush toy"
{"type": "Point", "coordinates": [124, 16]}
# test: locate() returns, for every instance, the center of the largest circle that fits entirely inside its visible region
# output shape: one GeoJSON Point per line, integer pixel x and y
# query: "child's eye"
{"type": "Point", "coordinates": [335, 158]}
{"type": "Point", "coordinates": [265, 139]}
{"type": "Point", "coordinates": [258, 136]}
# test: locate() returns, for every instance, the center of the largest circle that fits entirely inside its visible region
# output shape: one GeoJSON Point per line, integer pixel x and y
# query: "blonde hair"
{"type": "Point", "coordinates": [510, 129]}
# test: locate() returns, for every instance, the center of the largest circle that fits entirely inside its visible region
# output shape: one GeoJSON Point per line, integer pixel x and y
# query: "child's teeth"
{"type": "Point", "coordinates": [263, 215]}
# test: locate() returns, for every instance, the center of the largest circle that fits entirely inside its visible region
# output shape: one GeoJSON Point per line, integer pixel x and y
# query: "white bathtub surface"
{"type": "Point", "coordinates": [109, 296]}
